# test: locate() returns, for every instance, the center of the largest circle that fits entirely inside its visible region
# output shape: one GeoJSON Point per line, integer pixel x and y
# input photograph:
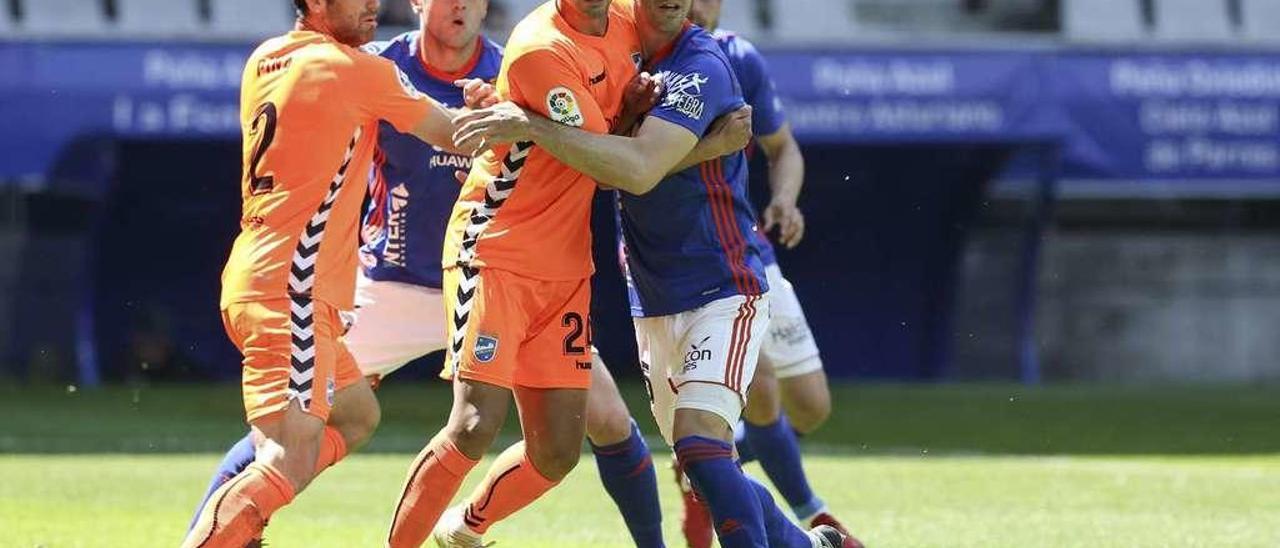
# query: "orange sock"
{"type": "Point", "coordinates": [512, 484]}
{"type": "Point", "coordinates": [333, 448]}
{"type": "Point", "coordinates": [433, 480]}
{"type": "Point", "coordinates": [237, 511]}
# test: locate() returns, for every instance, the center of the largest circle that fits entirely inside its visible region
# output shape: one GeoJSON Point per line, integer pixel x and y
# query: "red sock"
{"type": "Point", "coordinates": [512, 484]}
{"type": "Point", "coordinates": [333, 448]}
{"type": "Point", "coordinates": [237, 511]}
{"type": "Point", "coordinates": [433, 480]}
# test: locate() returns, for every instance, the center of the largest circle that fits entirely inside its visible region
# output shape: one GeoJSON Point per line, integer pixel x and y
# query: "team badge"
{"type": "Point", "coordinates": [486, 348]}
{"type": "Point", "coordinates": [563, 107]}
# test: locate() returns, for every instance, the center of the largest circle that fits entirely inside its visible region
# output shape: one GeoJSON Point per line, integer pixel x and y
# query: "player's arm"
{"type": "Point", "coordinates": [786, 179]}
{"type": "Point", "coordinates": [630, 164]}
{"type": "Point", "coordinates": [728, 134]}
{"type": "Point", "coordinates": [786, 164]}
{"type": "Point", "coordinates": [387, 94]}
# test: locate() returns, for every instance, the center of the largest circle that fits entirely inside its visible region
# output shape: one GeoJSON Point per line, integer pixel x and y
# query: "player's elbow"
{"type": "Point", "coordinates": [641, 179]}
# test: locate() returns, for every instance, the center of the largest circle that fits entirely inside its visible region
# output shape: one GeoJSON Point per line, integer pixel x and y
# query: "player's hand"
{"type": "Point", "coordinates": [477, 93]}
{"type": "Point", "coordinates": [641, 93]}
{"type": "Point", "coordinates": [789, 221]}
{"type": "Point", "coordinates": [480, 130]}
{"type": "Point", "coordinates": [732, 131]}
{"type": "Point", "coordinates": [638, 98]}
{"type": "Point", "coordinates": [461, 176]}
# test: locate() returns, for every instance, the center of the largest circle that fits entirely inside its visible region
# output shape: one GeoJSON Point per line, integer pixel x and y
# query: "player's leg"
{"type": "Point", "coordinates": [294, 366]}
{"type": "Point", "coordinates": [806, 399]}
{"type": "Point", "coordinates": [479, 410]}
{"type": "Point", "coordinates": [393, 324]}
{"type": "Point", "coordinates": [706, 398]}
{"type": "Point", "coordinates": [480, 316]}
{"type": "Point", "coordinates": [551, 386]}
{"type": "Point", "coordinates": [527, 470]}
{"type": "Point", "coordinates": [622, 458]}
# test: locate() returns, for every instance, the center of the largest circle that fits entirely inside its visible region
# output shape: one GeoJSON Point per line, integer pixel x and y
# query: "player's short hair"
{"type": "Point", "coordinates": [300, 6]}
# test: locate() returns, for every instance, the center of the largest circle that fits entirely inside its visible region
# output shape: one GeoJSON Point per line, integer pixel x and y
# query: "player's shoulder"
{"type": "Point", "coordinates": [398, 47]}
{"type": "Point", "coordinates": [736, 46]}
{"type": "Point", "coordinates": [491, 54]}
{"type": "Point", "coordinates": [699, 48]}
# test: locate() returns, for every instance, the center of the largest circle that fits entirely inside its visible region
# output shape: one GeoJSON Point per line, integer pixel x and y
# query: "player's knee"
{"type": "Point", "coordinates": [809, 415]}
{"type": "Point", "coordinates": [555, 460]}
{"type": "Point", "coordinates": [473, 431]}
{"type": "Point", "coordinates": [764, 403]}
{"type": "Point", "coordinates": [608, 423]}
{"type": "Point", "coordinates": [358, 431]}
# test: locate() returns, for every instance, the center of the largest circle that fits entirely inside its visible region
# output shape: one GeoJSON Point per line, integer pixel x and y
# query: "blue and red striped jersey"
{"type": "Point", "coordinates": [689, 241]}
{"type": "Point", "coordinates": [758, 89]}
{"type": "Point", "coordinates": [412, 185]}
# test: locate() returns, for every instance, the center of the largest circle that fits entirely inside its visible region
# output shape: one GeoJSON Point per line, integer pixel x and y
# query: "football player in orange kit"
{"type": "Point", "coordinates": [311, 102]}
{"type": "Point", "coordinates": [517, 279]}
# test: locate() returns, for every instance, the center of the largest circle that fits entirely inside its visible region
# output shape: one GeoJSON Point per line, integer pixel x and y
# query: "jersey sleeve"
{"type": "Point", "coordinates": [546, 82]}
{"type": "Point", "coordinates": [695, 92]}
{"type": "Point", "coordinates": [767, 116]}
{"type": "Point", "coordinates": [386, 93]}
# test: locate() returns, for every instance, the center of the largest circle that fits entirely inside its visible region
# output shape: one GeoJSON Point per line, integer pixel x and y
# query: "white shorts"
{"type": "Point", "coordinates": [394, 323]}
{"type": "Point", "coordinates": [702, 359]}
{"type": "Point", "coordinates": [789, 349]}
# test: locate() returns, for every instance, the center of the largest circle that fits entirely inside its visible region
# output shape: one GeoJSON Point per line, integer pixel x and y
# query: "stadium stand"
{"type": "Point", "coordinates": [174, 18]}
{"type": "Point", "coordinates": [6, 19]}
{"type": "Point", "coordinates": [249, 18]}
{"type": "Point", "coordinates": [814, 21]}
{"type": "Point", "coordinates": [1193, 20]}
{"type": "Point", "coordinates": [1260, 20]}
{"type": "Point", "coordinates": [63, 18]}
{"type": "Point", "coordinates": [1102, 20]}
{"type": "Point", "coordinates": [743, 21]}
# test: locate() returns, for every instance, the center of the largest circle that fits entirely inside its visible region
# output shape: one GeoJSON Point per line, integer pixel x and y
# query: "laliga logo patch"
{"type": "Point", "coordinates": [486, 348]}
{"type": "Point", "coordinates": [563, 107]}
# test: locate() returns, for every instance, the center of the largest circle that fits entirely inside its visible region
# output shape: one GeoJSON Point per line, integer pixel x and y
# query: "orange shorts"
{"type": "Point", "coordinates": [292, 351]}
{"type": "Point", "coordinates": [508, 330]}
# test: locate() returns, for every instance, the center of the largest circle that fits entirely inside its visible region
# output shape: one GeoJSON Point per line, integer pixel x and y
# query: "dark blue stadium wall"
{"type": "Point", "coordinates": [876, 272]}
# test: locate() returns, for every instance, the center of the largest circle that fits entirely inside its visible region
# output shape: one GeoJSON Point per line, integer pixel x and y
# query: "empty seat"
{"type": "Point", "coordinates": [1103, 20]}
{"type": "Point", "coordinates": [1193, 20]}
{"type": "Point", "coordinates": [158, 17]}
{"type": "Point", "coordinates": [814, 21]}
{"type": "Point", "coordinates": [740, 16]}
{"type": "Point", "coordinates": [251, 18]}
{"type": "Point", "coordinates": [63, 17]}
{"type": "Point", "coordinates": [1261, 20]}
{"type": "Point", "coordinates": [6, 20]}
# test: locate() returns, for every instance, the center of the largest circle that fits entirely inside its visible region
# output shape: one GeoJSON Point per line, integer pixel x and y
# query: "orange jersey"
{"type": "Point", "coordinates": [521, 210]}
{"type": "Point", "coordinates": [309, 109]}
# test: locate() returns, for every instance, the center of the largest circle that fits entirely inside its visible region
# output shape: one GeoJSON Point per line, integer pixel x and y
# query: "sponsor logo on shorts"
{"type": "Point", "coordinates": [695, 355]}
{"type": "Point", "coordinates": [789, 331]}
{"type": "Point", "coordinates": [563, 107]}
{"type": "Point", "coordinates": [486, 348]}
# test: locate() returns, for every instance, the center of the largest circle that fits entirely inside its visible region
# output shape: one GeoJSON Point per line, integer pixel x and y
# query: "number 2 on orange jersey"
{"type": "Point", "coordinates": [264, 128]}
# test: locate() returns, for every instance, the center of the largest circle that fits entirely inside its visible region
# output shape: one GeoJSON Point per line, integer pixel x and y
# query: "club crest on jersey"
{"type": "Point", "coordinates": [563, 107]}
{"type": "Point", "coordinates": [684, 93]}
{"type": "Point", "coordinates": [486, 348]}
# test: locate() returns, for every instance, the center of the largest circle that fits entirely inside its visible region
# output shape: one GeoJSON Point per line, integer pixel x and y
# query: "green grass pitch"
{"type": "Point", "coordinates": [980, 466]}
